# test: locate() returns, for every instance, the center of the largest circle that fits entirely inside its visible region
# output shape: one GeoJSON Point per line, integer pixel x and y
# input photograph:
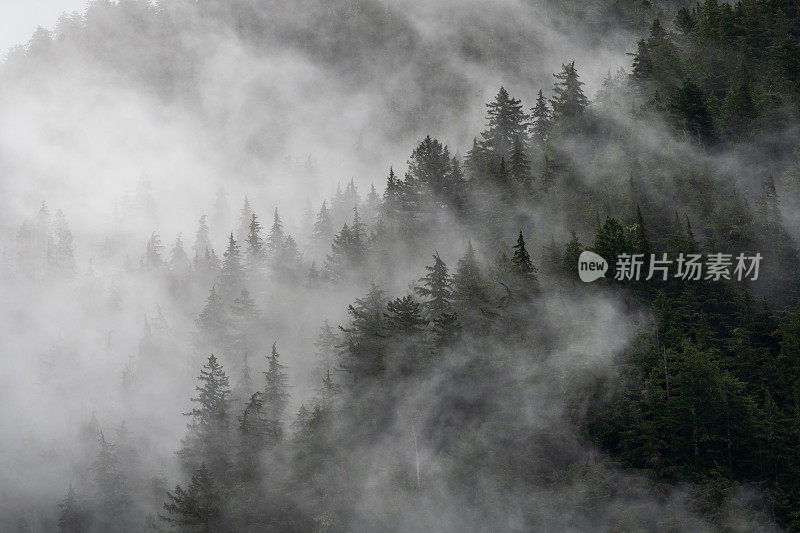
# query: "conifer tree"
{"type": "Point", "coordinates": [198, 507]}
{"type": "Point", "coordinates": [519, 166]}
{"type": "Point", "coordinates": [521, 260]}
{"type": "Point", "coordinates": [372, 205]}
{"type": "Point", "coordinates": [109, 484]}
{"type": "Point", "coordinates": [323, 226]}
{"type": "Point", "coordinates": [289, 261]}
{"type": "Point", "coordinates": [255, 253]}
{"type": "Point", "coordinates": [638, 240]}
{"type": "Point", "coordinates": [326, 346]}
{"type": "Point", "coordinates": [569, 103]}
{"type": "Point", "coordinates": [232, 274]}
{"type": "Point", "coordinates": [207, 440]}
{"type": "Point", "coordinates": [276, 236]}
{"type": "Point", "coordinates": [72, 517]}
{"type": "Point", "coordinates": [245, 217]}
{"type": "Point", "coordinates": [178, 260]}
{"type": "Point", "coordinates": [436, 287]}
{"type": "Point", "coordinates": [276, 394]}
{"type": "Point", "coordinates": [202, 242]}
{"type": "Point", "coordinates": [364, 338]}
{"type": "Point", "coordinates": [541, 121]}
{"type": "Point", "coordinates": [470, 290]}
{"type": "Point", "coordinates": [153, 259]}
{"type": "Point", "coordinates": [506, 122]}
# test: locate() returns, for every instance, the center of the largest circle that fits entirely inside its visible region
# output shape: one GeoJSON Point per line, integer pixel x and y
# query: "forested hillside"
{"type": "Point", "coordinates": [387, 331]}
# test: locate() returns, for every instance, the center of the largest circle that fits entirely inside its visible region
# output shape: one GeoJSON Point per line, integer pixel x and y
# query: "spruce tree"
{"type": "Point", "coordinates": [470, 290]}
{"type": "Point", "coordinates": [506, 122]}
{"type": "Point", "coordinates": [255, 253]}
{"type": "Point", "coordinates": [323, 226]}
{"type": "Point", "coordinates": [245, 217]}
{"type": "Point", "coordinates": [521, 260]}
{"type": "Point", "coordinates": [540, 119]}
{"type": "Point", "coordinates": [72, 517]}
{"type": "Point", "coordinates": [276, 236]}
{"type": "Point", "coordinates": [178, 260]}
{"type": "Point", "coordinates": [198, 507]}
{"type": "Point", "coordinates": [232, 274]}
{"type": "Point", "coordinates": [207, 440]}
{"type": "Point", "coordinates": [569, 103]}
{"type": "Point", "coordinates": [202, 242]}
{"type": "Point", "coordinates": [436, 287]}
{"type": "Point", "coordinates": [276, 394]}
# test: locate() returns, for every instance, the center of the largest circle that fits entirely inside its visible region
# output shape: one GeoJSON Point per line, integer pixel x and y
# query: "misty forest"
{"type": "Point", "coordinates": [313, 266]}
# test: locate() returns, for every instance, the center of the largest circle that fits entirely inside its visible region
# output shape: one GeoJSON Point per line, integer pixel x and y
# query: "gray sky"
{"type": "Point", "coordinates": [19, 18]}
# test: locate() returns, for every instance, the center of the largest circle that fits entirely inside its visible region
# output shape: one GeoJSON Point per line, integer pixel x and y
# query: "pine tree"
{"type": "Point", "coordinates": [521, 261]}
{"type": "Point", "coordinates": [212, 323]}
{"type": "Point", "coordinates": [72, 517]}
{"type": "Point", "coordinates": [392, 205]}
{"type": "Point", "coordinates": [323, 226]}
{"type": "Point", "coordinates": [245, 217]}
{"type": "Point", "coordinates": [506, 122]}
{"type": "Point", "coordinates": [404, 317]}
{"type": "Point", "coordinates": [470, 290]}
{"type": "Point", "coordinates": [519, 166]}
{"type": "Point", "coordinates": [568, 102]}
{"type": "Point", "coordinates": [275, 395]}
{"type": "Point", "coordinates": [255, 253]}
{"type": "Point", "coordinates": [178, 260]}
{"type": "Point", "coordinates": [109, 484]}
{"type": "Point", "coordinates": [232, 274]}
{"type": "Point", "coordinates": [276, 236]}
{"type": "Point", "coordinates": [207, 441]}
{"type": "Point", "coordinates": [364, 338]}
{"type": "Point", "coordinates": [436, 286]}
{"type": "Point", "coordinates": [572, 253]}
{"type": "Point", "coordinates": [540, 115]}
{"type": "Point", "coordinates": [202, 241]}
{"type": "Point", "coordinates": [153, 259]}
{"type": "Point", "coordinates": [289, 262]}
{"type": "Point", "coordinates": [372, 206]}
{"type": "Point", "coordinates": [638, 241]}
{"type": "Point", "coordinates": [245, 317]}
{"type": "Point", "coordinates": [610, 241]}
{"type": "Point", "coordinates": [199, 506]}
{"type": "Point", "coordinates": [326, 346]}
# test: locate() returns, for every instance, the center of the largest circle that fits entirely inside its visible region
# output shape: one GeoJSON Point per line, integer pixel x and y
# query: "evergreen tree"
{"type": "Point", "coordinates": [364, 338]}
{"type": "Point", "coordinates": [256, 253]}
{"type": "Point", "coordinates": [323, 226]}
{"type": "Point", "coordinates": [470, 290]}
{"type": "Point", "coordinates": [372, 205]}
{"type": "Point", "coordinates": [153, 259]}
{"type": "Point", "coordinates": [289, 262]}
{"type": "Point", "coordinates": [245, 218]}
{"type": "Point", "coordinates": [521, 261]}
{"type": "Point", "coordinates": [436, 287]}
{"type": "Point", "coordinates": [207, 441]}
{"type": "Point", "coordinates": [276, 395]}
{"type": "Point", "coordinates": [232, 274]}
{"type": "Point", "coordinates": [198, 507]}
{"type": "Point", "coordinates": [568, 102]}
{"type": "Point", "coordinates": [519, 167]}
{"type": "Point", "coordinates": [276, 236]}
{"type": "Point", "coordinates": [109, 484]}
{"type": "Point", "coordinates": [178, 260]}
{"type": "Point", "coordinates": [506, 123]}
{"type": "Point", "coordinates": [202, 242]}
{"type": "Point", "coordinates": [212, 323]}
{"type": "Point", "coordinates": [72, 517]}
{"type": "Point", "coordinates": [637, 239]}
{"type": "Point", "coordinates": [541, 121]}
{"type": "Point", "coordinates": [610, 241]}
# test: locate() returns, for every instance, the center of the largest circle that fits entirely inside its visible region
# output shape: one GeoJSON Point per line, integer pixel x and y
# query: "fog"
{"type": "Point", "coordinates": [135, 120]}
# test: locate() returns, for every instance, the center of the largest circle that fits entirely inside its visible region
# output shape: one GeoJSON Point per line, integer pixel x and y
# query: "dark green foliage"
{"type": "Point", "coordinates": [199, 506]}
{"type": "Point", "coordinates": [507, 123]}
{"type": "Point", "coordinates": [569, 103]}
{"type": "Point", "coordinates": [436, 287]}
